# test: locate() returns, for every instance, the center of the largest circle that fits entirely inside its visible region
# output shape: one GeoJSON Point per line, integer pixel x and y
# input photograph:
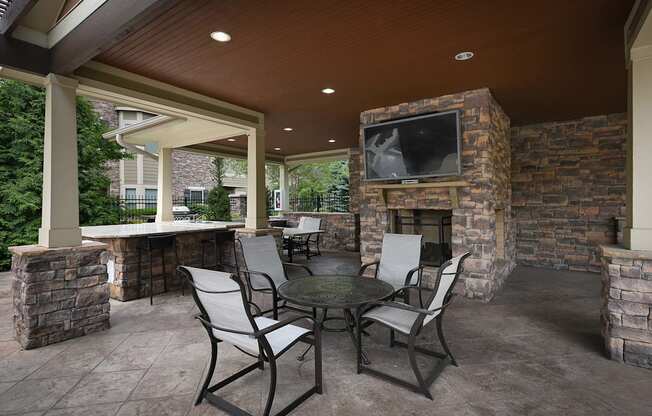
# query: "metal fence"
{"type": "Point", "coordinates": [139, 209]}
{"type": "Point", "coordinates": [326, 202]}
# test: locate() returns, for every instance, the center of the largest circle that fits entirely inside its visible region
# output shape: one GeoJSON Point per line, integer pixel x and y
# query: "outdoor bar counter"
{"type": "Point", "coordinates": [128, 264]}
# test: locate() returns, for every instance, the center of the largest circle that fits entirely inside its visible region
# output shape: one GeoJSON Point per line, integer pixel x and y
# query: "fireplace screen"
{"type": "Point", "coordinates": [434, 225]}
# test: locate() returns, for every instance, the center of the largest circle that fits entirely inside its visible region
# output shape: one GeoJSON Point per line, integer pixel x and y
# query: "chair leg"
{"type": "Point", "coordinates": [209, 374]}
{"type": "Point", "coordinates": [318, 376]}
{"type": "Point", "coordinates": [359, 345]}
{"type": "Point", "coordinates": [275, 309]}
{"type": "Point", "coordinates": [151, 280]}
{"type": "Point", "coordinates": [392, 337]}
{"type": "Point", "coordinates": [415, 368]}
{"type": "Point", "coordinates": [272, 387]}
{"type": "Point", "coordinates": [442, 340]}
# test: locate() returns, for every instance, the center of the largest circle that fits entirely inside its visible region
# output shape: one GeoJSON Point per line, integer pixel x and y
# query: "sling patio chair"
{"type": "Point", "coordinates": [302, 244]}
{"type": "Point", "coordinates": [410, 320]}
{"type": "Point", "coordinates": [264, 271]}
{"type": "Point", "coordinates": [226, 315]}
{"type": "Point", "coordinates": [399, 260]}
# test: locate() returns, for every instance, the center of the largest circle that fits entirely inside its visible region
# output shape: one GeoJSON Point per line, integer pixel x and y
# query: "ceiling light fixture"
{"type": "Point", "coordinates": [288, 128]}
{"type": "Point", "coordinates": [464, 56]}
{"type": "Point", "coordinates": [277, 148]}
{"type": "Point", "coordinates": [230, 140]}
{"type": "Point", "coordinates": [331, 141]}
{"type": "Point", "coordinates": [221, 36]}
{"type": "Point", "coordinates": [328, 90]}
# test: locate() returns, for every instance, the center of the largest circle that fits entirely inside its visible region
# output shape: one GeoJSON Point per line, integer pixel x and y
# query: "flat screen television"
{"type": "Point", "coordinates": [415, 147]}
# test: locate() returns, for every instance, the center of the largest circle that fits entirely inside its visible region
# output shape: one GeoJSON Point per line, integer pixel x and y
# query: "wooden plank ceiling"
{"type": "Point", "coordinates": [544, 60]}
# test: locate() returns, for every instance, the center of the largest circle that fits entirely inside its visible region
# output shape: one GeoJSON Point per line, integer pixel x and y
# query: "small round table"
{"type": "Point", "coordinates": [335, 292]}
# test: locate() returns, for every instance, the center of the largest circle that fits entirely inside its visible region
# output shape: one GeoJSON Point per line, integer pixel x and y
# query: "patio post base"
{"type": "Point", "coordinates": [59, 293]}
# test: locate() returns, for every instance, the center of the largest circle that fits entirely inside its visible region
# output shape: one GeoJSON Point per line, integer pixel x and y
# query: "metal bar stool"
{"type": "Point", "coordinates": [161, 243]}
{"type": "Point", "coordinates": [219, 239]}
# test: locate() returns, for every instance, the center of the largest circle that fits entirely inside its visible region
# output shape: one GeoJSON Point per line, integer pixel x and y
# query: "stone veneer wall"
{"type": "Point", "coordinates": [59, 293]}
{"type": "Point", "coordinates": [190, 169]}
{"type": "Point", "coordinates": [627, 305]}
{"type": "Point", "coordinates": [568, 182]}
{"type": "Point", "coordinates": [108, 114]}
{"type": "Point", "coordinates": [131, 267]}
{"type": "Point", "coordinates": [342, 229]}
{"type": "Point", "coordinates": [485, 165]}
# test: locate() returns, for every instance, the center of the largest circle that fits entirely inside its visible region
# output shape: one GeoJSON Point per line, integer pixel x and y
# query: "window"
{"type": "Point", "coordinates": [150, 198]}
{"type": "Point", "coordinates": [194, 195]}
{"type": "Point", "coordinates": [131, 197]}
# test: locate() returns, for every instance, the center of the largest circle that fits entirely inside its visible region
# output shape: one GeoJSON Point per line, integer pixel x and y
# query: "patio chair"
{"type": "Point", "coordinates": [226, 315]}
{"type": "Point", "coordinates": [399, 261]}
{"type": "Point", "coordinates": [410, 321]}
{"type": "Point", "coordinates": [264, 271]}
{"type": "Point", "coordinates": [304, 243]}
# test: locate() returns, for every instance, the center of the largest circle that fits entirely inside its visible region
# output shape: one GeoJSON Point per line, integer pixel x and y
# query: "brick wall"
{"type": "Point", "coordinates": [486, 166]}
{"type": "Point", "coordinates": [568, 182]}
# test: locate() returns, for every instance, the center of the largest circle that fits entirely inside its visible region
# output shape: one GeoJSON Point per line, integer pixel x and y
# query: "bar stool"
{"type": "Point", "coordinates": [218, 240]}
{"type": "Point", "coordinates": [161, 243]}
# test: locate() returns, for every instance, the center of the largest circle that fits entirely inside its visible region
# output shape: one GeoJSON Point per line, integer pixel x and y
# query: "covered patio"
{"type": "Point", "coordinates": [528, 205]}
{"type": "Point", "coordinates": [534, 350]}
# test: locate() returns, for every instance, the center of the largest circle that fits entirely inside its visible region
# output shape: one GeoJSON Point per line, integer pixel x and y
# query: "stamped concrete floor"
{"type": "Point", "coordinates": [534, 350]}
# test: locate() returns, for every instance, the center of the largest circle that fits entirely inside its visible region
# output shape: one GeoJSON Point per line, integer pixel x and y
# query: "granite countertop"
{"type": "Point", "coordinates": [153, 228]}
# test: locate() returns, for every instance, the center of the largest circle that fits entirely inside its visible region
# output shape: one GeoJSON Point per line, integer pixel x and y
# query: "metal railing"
{"type": "Point", "coordinates": [135, 210]}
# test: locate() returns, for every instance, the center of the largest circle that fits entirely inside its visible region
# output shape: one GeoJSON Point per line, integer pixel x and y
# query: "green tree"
{"type": "Point", "coordinates": [22, 114]}
{"type": "Point", "coordinates": [218, 202]}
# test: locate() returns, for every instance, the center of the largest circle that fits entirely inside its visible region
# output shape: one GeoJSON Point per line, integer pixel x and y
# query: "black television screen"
{"type": "Point", "coordinates": [415, 147]}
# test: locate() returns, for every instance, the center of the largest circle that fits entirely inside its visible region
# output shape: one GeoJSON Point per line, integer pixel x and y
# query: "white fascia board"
{"type": "Point", "coordinates": [315, 157]}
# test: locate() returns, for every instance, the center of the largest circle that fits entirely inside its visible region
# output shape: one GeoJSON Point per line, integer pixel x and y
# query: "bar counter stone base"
{"type": "Point", "coordinates": [59, 293]}
{"type": "Point", "coordinates": [627, 305]}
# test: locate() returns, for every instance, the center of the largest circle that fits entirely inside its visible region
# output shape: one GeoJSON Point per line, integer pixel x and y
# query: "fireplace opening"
{"type": "Point", "coordinates": [434, 225]}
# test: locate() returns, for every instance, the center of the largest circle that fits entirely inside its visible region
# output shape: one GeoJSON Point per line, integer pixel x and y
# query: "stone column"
{"type": "Point", "coordinates": [60, 211]}
{"type": "Point", "coordinates": [256, 193]}
{"type": "Point", "coordinates": [164, 194]}
{"type": "Point", "coordinates": [59, 293]}
{"type": "Point", "coordinates": [284, 181]}
{"type": "Point", "coordinates": [638, 232]}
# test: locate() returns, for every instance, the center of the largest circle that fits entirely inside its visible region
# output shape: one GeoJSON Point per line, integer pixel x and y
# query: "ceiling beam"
{"type": "Point", "coordinates": [15, 10]}
{"type": "Point", "coordinates": [24, 56]}
{"type": "Point", "coordinates": [110, 23]}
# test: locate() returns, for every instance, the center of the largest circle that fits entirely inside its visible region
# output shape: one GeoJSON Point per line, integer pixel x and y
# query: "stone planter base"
{"type": "Point", "coordinates": [627, 305]}
{"type": "Point", "coordinates": [59, 293]}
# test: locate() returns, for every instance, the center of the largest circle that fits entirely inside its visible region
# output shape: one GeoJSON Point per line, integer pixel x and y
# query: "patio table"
{"type": "Point", "coordinates": [290, 233]}
{"type": "Point", "coordinates": [335, 292]}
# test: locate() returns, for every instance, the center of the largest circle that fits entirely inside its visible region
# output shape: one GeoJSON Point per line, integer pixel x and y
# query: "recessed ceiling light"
{"type": "Point", "coordinates": [328, 90]}
{"type": "Point", "coordinates": [464, 56]}
{"type": "Point", "coordinates": [277, 148]}
{"type": "Point", "coordinates": [230, 140]}
{"type": "Point", "coordinates": [221, 36]}
{"type": "Point", "coordinates": [331, 141]}
{"type": "Point", "coordinates": [288, 128]}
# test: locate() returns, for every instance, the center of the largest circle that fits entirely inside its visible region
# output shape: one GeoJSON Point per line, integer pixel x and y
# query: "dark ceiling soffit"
{"type": "Point", "coordinates": [24, 56]}
{"type": "Point", "coordinates": [16, 10]}
{"type": "Point", "coordinates": [109, 24]}
{"type": "Point", "coordinates": [639, 14]}
{"type": "Point", "coordinates": [132, 85]}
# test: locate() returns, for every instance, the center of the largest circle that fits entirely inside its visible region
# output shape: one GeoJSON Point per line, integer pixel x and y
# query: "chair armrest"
{"type": "Point", "coordinates": [408, 277]}
{"type": "Point", "coordinates": [364, 267]}
{"type": "Point", "coordinates": [303, 266]}
{"type": "Point", "coordinates": [265, 275]}
{"type": "Point", "coordinates": [233, 331]}
{"type": "Point", "coordinates": [281, 324]}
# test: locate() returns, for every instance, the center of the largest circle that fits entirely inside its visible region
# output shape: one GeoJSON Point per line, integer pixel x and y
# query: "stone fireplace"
{"type": "Point", "coordinates": [477, 204]}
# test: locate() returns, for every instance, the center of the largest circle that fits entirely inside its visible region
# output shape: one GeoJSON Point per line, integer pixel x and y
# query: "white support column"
{"type": "Point", "coordinates": [284, 182]}
{"type": "Point", "coordinates": [164, 193]}
{"type": "Point", "coordinates": [638, 232]}
{"type": "Point", "coordinates": [60, 210]}
{"type": "Point", "coordinates": [256, 193]}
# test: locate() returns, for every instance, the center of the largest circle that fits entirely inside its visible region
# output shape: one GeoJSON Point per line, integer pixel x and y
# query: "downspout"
{"type": "Point", "coordinates": [135, 149]}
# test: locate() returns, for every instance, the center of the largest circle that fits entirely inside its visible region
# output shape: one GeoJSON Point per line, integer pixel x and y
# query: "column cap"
{"type": "Point", "coordinates": [61, 81]}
